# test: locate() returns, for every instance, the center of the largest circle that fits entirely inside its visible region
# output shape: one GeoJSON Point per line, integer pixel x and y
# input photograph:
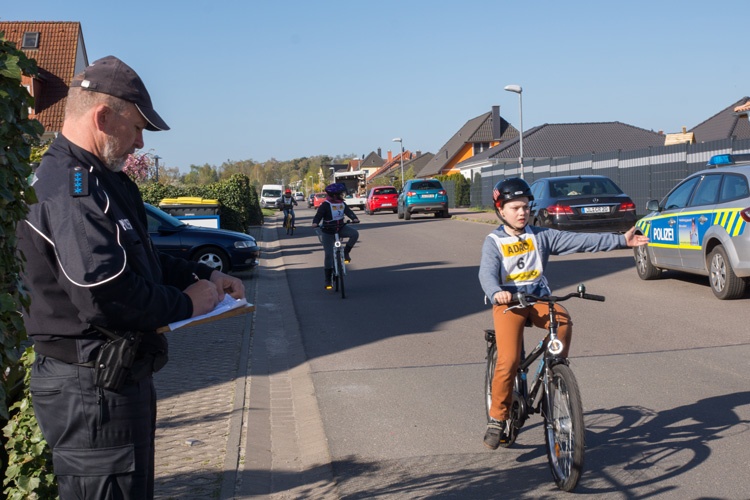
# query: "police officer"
{"type": "Point", "coordinates": [91, 269]}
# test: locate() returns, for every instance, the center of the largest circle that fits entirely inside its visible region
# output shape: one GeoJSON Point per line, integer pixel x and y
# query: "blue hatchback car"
{"type": "Point", "coordinates": [422, 196]}
{"type": "Point", "coordinates": [219, 248]}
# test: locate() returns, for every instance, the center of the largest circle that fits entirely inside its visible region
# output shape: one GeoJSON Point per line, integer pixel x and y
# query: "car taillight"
{"type": "Point", "coordinates": [441, 192]}
{"type": "Point", "coordinates": [745, 214]}
{"type": "Point", "coordinates": [627, 206]}
{"type": "Point", "coordinates": [411, 193]}
{"type": "Point", "coordinates": [559, 210]}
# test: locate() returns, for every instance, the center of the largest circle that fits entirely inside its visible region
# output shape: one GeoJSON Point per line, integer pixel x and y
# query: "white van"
{"type": "Point", "coordinates": [269, 193]}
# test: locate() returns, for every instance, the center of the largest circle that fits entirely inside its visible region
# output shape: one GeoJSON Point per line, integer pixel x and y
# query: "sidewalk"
{"type": "Point", "coordinates": [237, 412]}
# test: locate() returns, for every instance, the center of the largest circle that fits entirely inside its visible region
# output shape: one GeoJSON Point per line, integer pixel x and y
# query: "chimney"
{"type": "Point", "coordinates": [684, 130]}
{"type": "Point", "coordinates": [380, 152]}
{"type": "Point", "coordinates": [390, 156]}
{"type": "Point", "coordinates": [495, 123]}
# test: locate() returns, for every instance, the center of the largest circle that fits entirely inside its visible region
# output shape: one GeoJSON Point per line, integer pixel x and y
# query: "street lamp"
{"type": "Point", "coordinates": [156, 166]}
{"type": "Point", "coordinates": [518, 90]}
{"type": "Point", "coordinates": [401, 142]}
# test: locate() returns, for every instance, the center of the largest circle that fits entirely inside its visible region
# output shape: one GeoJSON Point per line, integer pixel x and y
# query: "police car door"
{"type": "Point", "coordinates": [695, 219]}
{"type": "Point", "coordinates": [664, 233]}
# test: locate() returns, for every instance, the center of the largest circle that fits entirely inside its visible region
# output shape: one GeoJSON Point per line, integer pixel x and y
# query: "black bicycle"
{"type": "Point", "coordinates": [288, 223]}
{"type": "Point", "coordinates": [339, 262]}
{"type": "Point", "coordinates": [559, 400]}
{"type": "Point", "coordinates": [339, 265]}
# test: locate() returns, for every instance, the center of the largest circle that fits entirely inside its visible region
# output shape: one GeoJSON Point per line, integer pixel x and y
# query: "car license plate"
{"type": "Point", "coordinates": [387, 205]}
{"type": "Point", "coordinates": [428, 196]}
{"type": "Point", "coordinates": [595, 210]}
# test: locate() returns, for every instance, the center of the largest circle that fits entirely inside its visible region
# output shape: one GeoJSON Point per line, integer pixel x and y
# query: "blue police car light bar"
{"type": "Point", "coordinates": [727, 159]}
{"type": "Point", "coordinates": [717, 160]}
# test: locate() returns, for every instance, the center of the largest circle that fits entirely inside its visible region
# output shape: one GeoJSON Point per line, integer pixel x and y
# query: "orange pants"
{"type": "Point", "coordinates": [508, 337]}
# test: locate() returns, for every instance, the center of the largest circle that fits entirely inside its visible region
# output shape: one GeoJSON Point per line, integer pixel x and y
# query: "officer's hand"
{"type": "Point", "coordinates": [355, 221]}
{"type": "Point", "coordinates": [204, 296]}
{"type": "Point", "coordinates": [315, 225]}
{"type": "Point", "coordinates": [228, 284]}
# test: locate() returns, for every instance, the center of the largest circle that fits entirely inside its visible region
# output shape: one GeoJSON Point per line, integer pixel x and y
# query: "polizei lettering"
{"type": "Point", "coordinates": [664, 233]}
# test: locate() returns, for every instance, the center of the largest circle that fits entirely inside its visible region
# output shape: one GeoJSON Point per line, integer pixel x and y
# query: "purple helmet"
{"type": "Point", "coordinates": [335, 188]}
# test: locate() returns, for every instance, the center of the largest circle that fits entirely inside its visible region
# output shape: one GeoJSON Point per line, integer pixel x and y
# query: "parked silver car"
{"type": "Point", "coordinates": [701, 227]}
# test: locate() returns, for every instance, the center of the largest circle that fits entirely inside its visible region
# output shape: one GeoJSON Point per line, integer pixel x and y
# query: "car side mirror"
{"type": "Point", "coordinates": [653, 206]}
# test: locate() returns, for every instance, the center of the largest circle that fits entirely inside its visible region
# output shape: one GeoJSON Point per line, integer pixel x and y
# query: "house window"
{"type": "Point", "coordinates": [30, 40]}
{"type": "Point", "coordinates": [481, 146]}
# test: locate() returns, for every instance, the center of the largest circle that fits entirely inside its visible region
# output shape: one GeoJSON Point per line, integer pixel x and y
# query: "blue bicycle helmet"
{"type": "Point", "coordinates": [334, 189]}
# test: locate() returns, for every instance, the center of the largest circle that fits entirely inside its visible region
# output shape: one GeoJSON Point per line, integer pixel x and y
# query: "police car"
{"type": "Point", "coordinates": [701, 227]}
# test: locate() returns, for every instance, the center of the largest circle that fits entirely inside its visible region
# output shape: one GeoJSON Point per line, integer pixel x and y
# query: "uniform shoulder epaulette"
{"type": "Point", "coordinates": [78, 181]}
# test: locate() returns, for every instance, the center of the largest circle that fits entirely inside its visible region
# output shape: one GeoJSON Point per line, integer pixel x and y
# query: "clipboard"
{"type": "Point", "coordinates": [227, 308]}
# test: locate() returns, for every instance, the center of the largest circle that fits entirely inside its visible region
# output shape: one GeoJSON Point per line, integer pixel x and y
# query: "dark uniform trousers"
{"type": "Point", "coordinates": [107, 435]}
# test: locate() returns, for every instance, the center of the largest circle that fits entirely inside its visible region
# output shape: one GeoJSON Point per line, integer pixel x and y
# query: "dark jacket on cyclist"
{"type": "Point", "coordinates": [330, 215]}
{"type": "Point", "coordinates": [286, 202]}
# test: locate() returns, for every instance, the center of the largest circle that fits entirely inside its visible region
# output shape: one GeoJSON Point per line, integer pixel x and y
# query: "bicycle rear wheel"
{"type": "Point", "coordinates": [516, 409]}
{"type": "Point", "coordinates": [564, 428]}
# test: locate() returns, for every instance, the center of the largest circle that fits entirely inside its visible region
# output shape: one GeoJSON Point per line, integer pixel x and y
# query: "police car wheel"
{"type": "Point", "coordinates": [724, 283]}
{"type": "Point", "coordinates": [646, 270]}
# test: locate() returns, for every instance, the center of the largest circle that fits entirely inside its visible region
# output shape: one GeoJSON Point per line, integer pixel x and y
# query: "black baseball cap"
{"type": "Point", "coordinates": [111, 76]}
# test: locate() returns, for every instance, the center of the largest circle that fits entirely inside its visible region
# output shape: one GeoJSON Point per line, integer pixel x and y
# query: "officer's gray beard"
{"type": "Point", "coordinates": [111, 160]}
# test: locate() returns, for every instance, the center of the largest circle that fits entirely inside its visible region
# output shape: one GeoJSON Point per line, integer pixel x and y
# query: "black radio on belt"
{"type": "Point", "coordinates": [78, 181]}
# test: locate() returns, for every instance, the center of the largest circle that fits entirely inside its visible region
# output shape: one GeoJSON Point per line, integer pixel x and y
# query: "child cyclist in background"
{"type": "Point", "coordinates": [514, 257]}
{"type": "Point", "coordinates": [330, 219]}
{"type": "Point", "coordinates": [287, 204]}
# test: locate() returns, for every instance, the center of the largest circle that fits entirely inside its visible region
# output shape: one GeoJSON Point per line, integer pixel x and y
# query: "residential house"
{"type": "Point", "coordinates": [564, 139]}
{"type": "Point", "coordinates": [475, 137]}
{"type": "Point", "coordinates": [59, 52]}
{"type": "Point", "coordinates": [392, 165]}
{"type": "Point", "coordinates": [726, 124]}
{"type": "Point", "coordinates": [371, 163]}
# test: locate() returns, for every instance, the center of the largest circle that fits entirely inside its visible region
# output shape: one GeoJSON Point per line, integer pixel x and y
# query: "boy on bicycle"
{"type": "Point", "coordinates": [330, 218]}
{"type": "Point", "coordinates": [514, 257]}
{"type": "Point", "coordinates": [287, 203]}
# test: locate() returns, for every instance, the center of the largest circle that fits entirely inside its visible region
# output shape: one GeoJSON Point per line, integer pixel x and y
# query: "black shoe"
{"type": "Point", "coordinates": [347, 255]}
{"type": "Point", "coordinates": [497, 432]}
{"type": "Point", "coordinates": [328, 285]}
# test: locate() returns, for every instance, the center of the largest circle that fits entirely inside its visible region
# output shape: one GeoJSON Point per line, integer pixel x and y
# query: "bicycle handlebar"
{"type": "Point", "coordinates": [522, 299]}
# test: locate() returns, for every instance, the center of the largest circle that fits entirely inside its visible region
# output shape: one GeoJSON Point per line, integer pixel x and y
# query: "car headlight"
{"type": "Point", "coordinates": [244, 244]}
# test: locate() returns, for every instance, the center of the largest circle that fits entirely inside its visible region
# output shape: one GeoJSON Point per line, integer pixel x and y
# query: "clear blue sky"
{"type": "Point", "coordinates": [262, 79]}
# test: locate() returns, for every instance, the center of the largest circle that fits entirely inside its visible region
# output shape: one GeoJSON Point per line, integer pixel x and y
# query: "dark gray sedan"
{"type": "Point", "coordinates": [585, 203]}
{"type": "Point", "coordinates": [219, 248]}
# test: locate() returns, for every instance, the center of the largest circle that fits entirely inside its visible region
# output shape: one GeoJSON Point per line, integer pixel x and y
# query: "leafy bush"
{"type": "Point", "coordinates": [239, 208]}
{"type": "Point", "coordinates": [463, 188]}
{"type": "Point", "coordinates": [25, 454]}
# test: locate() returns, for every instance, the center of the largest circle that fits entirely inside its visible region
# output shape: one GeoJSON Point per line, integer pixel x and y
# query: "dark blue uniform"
{"type": "Point", "coordinates": [89, 261]}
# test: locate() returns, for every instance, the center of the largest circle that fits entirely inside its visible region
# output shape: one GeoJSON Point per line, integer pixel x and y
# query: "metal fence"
{"type": "Point", "coordinates": [643, 174]}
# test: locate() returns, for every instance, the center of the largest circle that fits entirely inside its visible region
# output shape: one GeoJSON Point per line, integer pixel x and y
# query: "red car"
{"type": "Point", "coordinates": [382, 198]}
{"type": "Point", "coordinates": [318, 199]}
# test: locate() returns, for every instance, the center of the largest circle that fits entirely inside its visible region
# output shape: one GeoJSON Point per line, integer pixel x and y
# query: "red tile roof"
{"type": "Point", "coordinates": [60, 47]}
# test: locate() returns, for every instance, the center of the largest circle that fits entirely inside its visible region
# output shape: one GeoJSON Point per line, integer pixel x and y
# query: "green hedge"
{"type": "Point", "coordinates": [239, 208]}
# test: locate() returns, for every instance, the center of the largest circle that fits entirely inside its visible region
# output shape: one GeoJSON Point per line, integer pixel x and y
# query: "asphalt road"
{"type": "Point", "coordinates": [398, 371]}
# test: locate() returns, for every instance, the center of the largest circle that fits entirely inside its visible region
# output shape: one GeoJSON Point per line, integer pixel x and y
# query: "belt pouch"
{"type": "Point", "coordinates": [115, 358]}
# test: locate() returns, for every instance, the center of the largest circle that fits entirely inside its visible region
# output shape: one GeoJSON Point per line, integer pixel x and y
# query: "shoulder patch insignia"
{"type": "Point", "coordinates": [78, 181]}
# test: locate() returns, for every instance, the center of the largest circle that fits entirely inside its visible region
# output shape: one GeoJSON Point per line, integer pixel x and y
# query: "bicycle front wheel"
{"type": "Point", "coordinates": [340, 271]}
{"type": "Point", "coordinates": [564, 428]}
